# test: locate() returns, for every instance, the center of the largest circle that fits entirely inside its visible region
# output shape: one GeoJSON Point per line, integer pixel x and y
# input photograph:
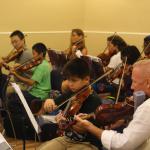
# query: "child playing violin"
{"type": "Point", "coordinates": [40, 80]}
{"type": "Point", "coordinates": [78, 76]}
{"type": "Point", "coordinates": [77, 46]}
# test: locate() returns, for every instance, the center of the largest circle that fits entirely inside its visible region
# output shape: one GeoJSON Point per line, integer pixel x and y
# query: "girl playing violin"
{"type": "Point", "coordinates": [77, 46]}
{"type": "Point", "coordinates": [114, 44]}
{"type": "Point", "coordinates": [78, 76]}
{"type": "Point", "coordinates": [77, 49]}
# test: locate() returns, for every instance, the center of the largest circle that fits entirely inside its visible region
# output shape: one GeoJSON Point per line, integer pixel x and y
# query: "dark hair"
{"type": "Point", "coordinates": [147, 39]}
{"type": "Point", "coordinates": [117, 41]}
{"type": "Point", "coordinates": [76, 67]}
{"type": "Point", "coordinates": [132, 54]}
{"type": "Point", "coordinates": [40, 48]}
{"type": "Point", "coordinates": [147, 45]}
{"type": "Point", "coordinates": [17, 33]}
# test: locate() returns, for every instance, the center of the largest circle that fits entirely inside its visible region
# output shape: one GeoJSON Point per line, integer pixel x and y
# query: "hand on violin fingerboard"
{"type": "Point", "coordinates": [81, 125]}
{"type": "Point", "coordinates": [60, 118]}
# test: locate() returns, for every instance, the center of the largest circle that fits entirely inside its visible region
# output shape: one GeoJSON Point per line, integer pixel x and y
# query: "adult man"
{"type": "Point", "coordinates": [137, 133]}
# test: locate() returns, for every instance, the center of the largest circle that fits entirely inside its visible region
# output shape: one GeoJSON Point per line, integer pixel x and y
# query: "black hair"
{"type": "Point", "coordinates": [17, 33]}
{"type": "Point", "coordinates": [147, 39]}
{"type": "Point", "coordinates": [117, 41]}
{"type": "Point", "coordinates": [40, 48]}
{"type": "Point", "coordinates": [147, 45]}
{"type": "Point", "coordinates": [76, 68]}
{"type": "Point", "coordinates": [132, 54]}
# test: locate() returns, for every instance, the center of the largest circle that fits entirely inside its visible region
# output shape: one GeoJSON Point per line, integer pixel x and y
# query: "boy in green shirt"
{"type": "Point", "coordinates": [40, 81]}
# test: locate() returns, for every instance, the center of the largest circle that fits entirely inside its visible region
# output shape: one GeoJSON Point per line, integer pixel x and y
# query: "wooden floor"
{"type": "Point", "coordinates": [18, 144]}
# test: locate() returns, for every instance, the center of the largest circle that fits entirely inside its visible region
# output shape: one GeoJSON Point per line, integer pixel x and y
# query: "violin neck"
{"type": "Point", "coordinates": [88, 116]}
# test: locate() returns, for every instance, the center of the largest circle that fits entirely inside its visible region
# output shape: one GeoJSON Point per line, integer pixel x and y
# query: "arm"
{"type": "Point", "coordinates": [29, 82]}
{"type": "Point", "coordinates": [88, 126]}
{"type": "Point", "coordinates": [84, 51]}
{"type": "Point", "coordinates": [137, 132]}
{"type": "Point", "coordinates": [52, 104]}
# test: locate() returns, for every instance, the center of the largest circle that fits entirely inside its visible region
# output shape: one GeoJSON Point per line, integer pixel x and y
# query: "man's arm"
{"type": "Point", "coordinates": [136, 133]}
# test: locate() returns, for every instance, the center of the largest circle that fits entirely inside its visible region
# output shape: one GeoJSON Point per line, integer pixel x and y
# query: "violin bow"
{"type": "Point", "coordinates": [143, 51]}
{"type": "Point", "coordinates": [70, 99]}
{"type": "Point", "coordinates": [115, 33]}
{"type": "Point", "coordinates": [121, 80]}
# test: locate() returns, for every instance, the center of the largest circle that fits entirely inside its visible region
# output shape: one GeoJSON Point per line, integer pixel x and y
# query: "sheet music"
{"type": "Point", "coordinates": [23, 100]}
{"type": "Point", "coordinates": [3, 144]}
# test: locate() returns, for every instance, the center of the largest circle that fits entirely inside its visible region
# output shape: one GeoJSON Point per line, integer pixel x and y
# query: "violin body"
{"type": "Point", "coordinates": [107, 114]}
{"type": "Point", "coordinates": [77, 102]}
{"type": "Point", "coordinates": [105, 57]}
{"type": "Point", "coordinates": [25, 66]}
{"type": "Point", "coordinates": [29, 65]}
{"type": "Point", "coordinates": [12, 55]}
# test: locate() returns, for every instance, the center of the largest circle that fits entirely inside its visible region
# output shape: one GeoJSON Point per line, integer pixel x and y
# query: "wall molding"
{"type": "Point", "coordinates": [86, 31]}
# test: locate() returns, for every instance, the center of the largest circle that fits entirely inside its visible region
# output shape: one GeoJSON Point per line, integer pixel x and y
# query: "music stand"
{"type": "Point", "coordinates": [28, 111]}
{"type": "Point", "coordinates": [4, 144]}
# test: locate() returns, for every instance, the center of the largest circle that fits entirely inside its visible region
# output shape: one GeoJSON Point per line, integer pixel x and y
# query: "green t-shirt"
{"type": "Point", "coordinates": [42, 87]}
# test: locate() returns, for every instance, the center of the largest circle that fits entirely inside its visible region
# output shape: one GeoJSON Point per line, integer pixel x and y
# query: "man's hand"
{"type": "Point", "coordinates": [49, 105]}
{"type": "Point", "coordinates": [82, 124]}
{"type": "Point", "coordinates": [88, 126]}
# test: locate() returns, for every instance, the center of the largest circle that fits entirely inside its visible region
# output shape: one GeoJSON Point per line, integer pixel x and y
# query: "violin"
{"type": "Point", "coordinates": [78, 45]}
{"type": "Point", "coordinates": [105, 57]}
{"type": "Point", "coordinates": [73, 108]}
{"type": "Point", "coordinates": [27, 65]}
{"type": "Point", "coordinates": [76, 102]}
{"type": "Point", "coordinates": [12, 55]}
{"type": "Point", "coordinates": [107, 114]}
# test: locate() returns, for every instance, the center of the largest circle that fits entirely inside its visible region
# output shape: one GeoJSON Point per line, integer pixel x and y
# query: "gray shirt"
{"type": "Point", "coordinates": [25, 56]}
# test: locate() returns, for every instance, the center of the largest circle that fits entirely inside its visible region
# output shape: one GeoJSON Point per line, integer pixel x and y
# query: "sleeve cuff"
{"type": "Point", "coordinates": [106, 138]}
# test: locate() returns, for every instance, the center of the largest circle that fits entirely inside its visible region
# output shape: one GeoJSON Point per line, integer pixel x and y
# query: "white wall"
{"type": "Point", "coordinates": [51, 21]}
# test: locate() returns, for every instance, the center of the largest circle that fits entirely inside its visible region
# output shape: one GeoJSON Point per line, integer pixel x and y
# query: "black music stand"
{"type": "Point", "coordinates": [29, 113]}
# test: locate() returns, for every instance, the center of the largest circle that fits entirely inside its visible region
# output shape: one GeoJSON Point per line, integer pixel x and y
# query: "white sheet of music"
{"type": "Point", "coordinates": [3, 144]}
{"type": "Point", "coordinates": [23, 100]}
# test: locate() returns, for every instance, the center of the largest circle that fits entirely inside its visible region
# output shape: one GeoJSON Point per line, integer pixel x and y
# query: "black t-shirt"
{"type": "Point", "coordinates": [89, 106]}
